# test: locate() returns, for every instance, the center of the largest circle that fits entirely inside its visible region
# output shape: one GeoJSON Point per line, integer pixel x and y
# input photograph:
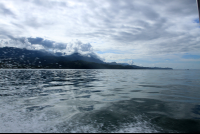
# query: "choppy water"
{"type": "Point", "coordinates": [99, 100]}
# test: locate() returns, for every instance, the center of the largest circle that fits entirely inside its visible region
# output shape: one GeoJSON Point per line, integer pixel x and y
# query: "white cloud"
{"type": "Point", "coordinates": [141, 29]}
{"type": "Point", "coordinates": [16, 43]}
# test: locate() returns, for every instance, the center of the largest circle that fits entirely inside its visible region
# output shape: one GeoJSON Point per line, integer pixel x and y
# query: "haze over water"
{"type": "Point", "coordinates": [99, 100]}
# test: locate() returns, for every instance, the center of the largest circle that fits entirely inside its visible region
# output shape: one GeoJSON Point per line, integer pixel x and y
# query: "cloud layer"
{"type": "Point", "coordinates": [39, 43]}
{"type": "Point", "coordinates": [140, 30]}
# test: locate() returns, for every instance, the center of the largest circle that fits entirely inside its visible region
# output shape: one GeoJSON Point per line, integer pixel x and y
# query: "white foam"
{"type": "Point", "coordinates": [20, 121]}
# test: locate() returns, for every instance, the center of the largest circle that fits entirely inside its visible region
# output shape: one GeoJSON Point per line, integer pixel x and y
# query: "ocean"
{"type": "Point", "coordinates": [98, 100]}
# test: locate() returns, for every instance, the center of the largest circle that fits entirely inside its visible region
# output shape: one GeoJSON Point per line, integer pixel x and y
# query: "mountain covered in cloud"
{"type": "Point", "coordinates": [12, 53]}
{"type": "Point", "coordinates": [11, 57]}
{"type": "Point", "coordinates": [71, 51]}
{"type": "Point", "coordinates": [44, 53]}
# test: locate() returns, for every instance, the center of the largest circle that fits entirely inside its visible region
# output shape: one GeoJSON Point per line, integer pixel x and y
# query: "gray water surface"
{"type": "Point", "coordinates": [99, 100]}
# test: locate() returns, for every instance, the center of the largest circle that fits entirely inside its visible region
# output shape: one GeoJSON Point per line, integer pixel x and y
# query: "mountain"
{"type": "Point", "coordinates": [11, 52]}
{"type": "Point", "coordinates": [114, 63]}
{"type": "Point", "coordinates": [77, 56]}
{"type": "Point", "coordinates": [11, 57]}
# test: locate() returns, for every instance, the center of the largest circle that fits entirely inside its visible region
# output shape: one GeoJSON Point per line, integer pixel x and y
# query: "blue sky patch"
{"type": "Point", "coordinates": [196, 20]}
{"type": "Point", "coordinates": [139, 61]}
{"type": "Point", "coordinates": [190, 56]}
{"type": "Point", "coordinates": [110, 51]}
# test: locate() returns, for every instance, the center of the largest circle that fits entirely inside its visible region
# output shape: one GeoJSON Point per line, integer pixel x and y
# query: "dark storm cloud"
{"type": "Point", "coordinates": [60, 46]}
{"type": "Point", "coordinates": [46, 43]}
{"type": "Point", "coordinates": [22, 39]}
{"type": "Point", "coordinates": [5, 11]}
{"type": "Point", "coordinates": [36, 40]}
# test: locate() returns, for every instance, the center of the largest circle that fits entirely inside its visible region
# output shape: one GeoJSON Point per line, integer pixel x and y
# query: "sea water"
{"type": "Point", "coordinates": [99, 100]}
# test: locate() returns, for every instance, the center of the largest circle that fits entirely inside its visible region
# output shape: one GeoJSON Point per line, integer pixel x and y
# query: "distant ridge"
{"type": "Point", "coordinates": [76, 56]}
{"type": "Point", "coordinates": [12, 52]}
{"type": "Point", "coordinates": [11, 57]}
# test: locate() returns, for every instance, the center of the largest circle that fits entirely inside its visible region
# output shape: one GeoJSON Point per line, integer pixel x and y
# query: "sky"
{"type": "Point", "coordinates": [153, 33]}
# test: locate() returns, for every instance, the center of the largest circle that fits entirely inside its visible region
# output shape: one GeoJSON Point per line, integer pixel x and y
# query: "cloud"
{"type": "Point", "coordinates": [131, 62]}
{"type": "Point", "coordinates": [60, 46]}
{"type": "Point", "coordinates": [135, 22]}
{"type": "Point", "coordinates": [49, 4]}
{"type": "Point", "coordinates": [48, 44]}
{"type": "Point", "coordinates": [45, 43]}
{"type": "Point", "coordinates": [4, 34]}
{"type": "Point", "coordinates": [36, 40]}
{"type": "Point", "coordinates": [17, 43]}
{"type": "Point", "coordinates": [148, 28]}
{"type": "Point", "coordinates": [77, 46]}
{"type": "Point", "coordinates": [5, 11]}
{"type": "Point", "coordinates": [51, 46]}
